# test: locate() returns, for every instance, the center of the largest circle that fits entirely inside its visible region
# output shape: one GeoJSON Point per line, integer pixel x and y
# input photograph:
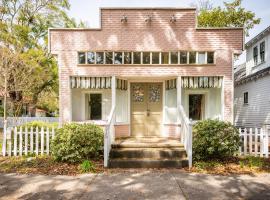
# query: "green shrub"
{"type": "Point", "coordinates": [214, 139]}
{"type": "Point", "coordinates": [77, 142]}
{"type": "Point", "coordinates": [87, 166]}
{"type": "Point", "coordinates": [40, 124]}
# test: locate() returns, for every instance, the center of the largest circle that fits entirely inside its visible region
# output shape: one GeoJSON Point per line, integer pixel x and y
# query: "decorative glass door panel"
{"type": "Point", "coordinates": [146, 109]}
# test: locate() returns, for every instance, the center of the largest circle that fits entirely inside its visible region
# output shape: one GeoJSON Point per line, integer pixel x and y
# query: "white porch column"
{"type": "Point", "coordinates": [179, 103]}
{"type": "Point", "coordinates": [113, 85]}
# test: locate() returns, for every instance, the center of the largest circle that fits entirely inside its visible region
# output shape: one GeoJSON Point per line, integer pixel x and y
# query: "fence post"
{"type": "Point", "coordinates": [37, 140]}
{"type": "Point", "coordinates": [245, 141]}
{"type": "Point", "coordinates": [261, 142]}
{"type": "Point", "coordinates": [250, 141]}
{"type": "Point", "coordinates": [266, 141]}
{"type": "Point", "coordinates": [48, 141]}
{"type": "Point", "coordinates": [31, 139]}
{"type": "Point", "coordinates": [256, 141]}
{"type": "Point", "coordinates": [21, 141]}
{"type": "Point", "coordinates": [240, 147]}
{"type": "Point", "coordinates": [26, 140]}
{"type": "Point", "coordinates": [42, 140]}
{"type": "Point", "coordinates": [15, 142]}
{"type": "Point", "coordinates": [9, 134]}
{"type": "Point", "coordinates": [4, 145]}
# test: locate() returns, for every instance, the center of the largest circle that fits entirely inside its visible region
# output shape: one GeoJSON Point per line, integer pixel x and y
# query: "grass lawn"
{"type": "Point", "coordinates": [235, 165]}
{"type": "Point", "coordinates": [42, 165]}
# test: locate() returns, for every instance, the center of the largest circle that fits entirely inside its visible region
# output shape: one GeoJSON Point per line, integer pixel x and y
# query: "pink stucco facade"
{"type": "Point", "coordinates": [136, 35]}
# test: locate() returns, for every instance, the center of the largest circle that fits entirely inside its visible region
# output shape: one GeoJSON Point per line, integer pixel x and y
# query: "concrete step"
{"type": "Point", "coordinates": [157, 153]}
{"type": "Point", "coordinates": [148, 163]}
{"type": "Point", "coordinates": [147, 145]}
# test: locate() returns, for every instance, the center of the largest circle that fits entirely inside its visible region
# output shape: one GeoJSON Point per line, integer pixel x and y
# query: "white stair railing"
{"type": "Point", "coordinates": [109, 136]}
{"type": "Point", "coordinates": [186, 133]}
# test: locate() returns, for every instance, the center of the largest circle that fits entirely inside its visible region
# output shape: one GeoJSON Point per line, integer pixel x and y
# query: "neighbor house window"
{"type": "Point", "coordinates": [201, 58]}
{"type": "Point", "coordinates": [81, 57]}
{"type": "Point", "coordinates": [99, 57]}
{"type": "Point", "coordinates": [164, 58]}
{"type": "Point", "coordinates": [91, 57]}
{"type": "Point", "coordinates": [192, 57]}
{"type": "Point", "coordinates": [183, 57]}
{"type": "Point", "coordinates": [246, 98]}
{"type": "Point", "coordinates": [210, 57]}
{"type": "Point", "coordinates": [146, 57]}
{"type": "Point", "coordinates": [136, 57]}
{"type": "Point", "coordinates": [262, 51]}
{"type": "Point", "coordinates": [155, 57]}
{"type": "Point", "coordinates": [109, 57]}
{"type": "Point", "coordinates": [174, 57]}
{"type": "Point", "coordinates": [127, 58]}
{"type": "Point", "coordinates": [255, 55]}
{"type": "Point", "coordinates": [118, 57]}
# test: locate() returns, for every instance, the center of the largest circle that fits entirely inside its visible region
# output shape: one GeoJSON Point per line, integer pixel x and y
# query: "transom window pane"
{"type": "Point", "coordinates": [146, 57]}
{"type": "Point", "coordinates": [81, 57]}
{"type": "Point", "coordinates": [127, 58]}
{"type": "Point", "coordinates": [91, 57]}
{"type": "Point", "coordinates": [210, 57]}
{"type": "Point", "coordinates": [174, 57]}
{"type": "Point", "coordinates": [99, 57]}
{"type": "Point", "coordinates": [183, 57]}
{"type": "Point", "coordinates": [118, 57]}
{"type": "Point", "coordinates": [109, 57]}
{"type": "Point", "coordinates": [136, 57]}
{"type": "Point", "coordinates": [155, 57]}
{"type": "Point", "coordinates": [192, 57]}
{"type": "Point", "coordinates": [201, 58]}
{"type": "Point", "coordinates": [164, 58]}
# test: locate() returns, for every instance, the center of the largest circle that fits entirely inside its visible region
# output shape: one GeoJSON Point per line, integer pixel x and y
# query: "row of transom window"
{"type": "Point", "coordinates": [174, 58]}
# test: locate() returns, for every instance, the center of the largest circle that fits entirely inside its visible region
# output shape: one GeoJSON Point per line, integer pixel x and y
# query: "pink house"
{"type": "Point", "coordinates": [145, 73]}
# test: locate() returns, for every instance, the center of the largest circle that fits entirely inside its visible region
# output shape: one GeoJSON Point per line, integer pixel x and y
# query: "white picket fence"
{"type": "Point", "coordinates": [255, 141]}
{"type": "Point", "coordinates": [29, 140]}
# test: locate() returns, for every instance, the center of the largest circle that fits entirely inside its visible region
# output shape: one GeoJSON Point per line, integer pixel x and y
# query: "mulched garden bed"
{"type": "Point", "coordinates": [234, 165]}
{"type": "Point", "coordinates": [42, 165]}
{"type": "Point", "coordinates": [45, 165]}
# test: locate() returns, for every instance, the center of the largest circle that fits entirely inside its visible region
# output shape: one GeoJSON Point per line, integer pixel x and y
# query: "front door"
{"type": "Point", "coordinates": [146, 109]}
{"type": "Point", "coordinates": [196, 106]}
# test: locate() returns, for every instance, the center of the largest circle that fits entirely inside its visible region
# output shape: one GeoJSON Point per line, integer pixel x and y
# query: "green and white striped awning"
{"type": "Point", "coordinates": [96, 83]}
{"type": "Point", "coordinates": [202, 82]}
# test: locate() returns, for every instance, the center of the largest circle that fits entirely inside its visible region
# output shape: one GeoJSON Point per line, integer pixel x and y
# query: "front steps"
{"type": "Point", "coordinates": [148, 153]}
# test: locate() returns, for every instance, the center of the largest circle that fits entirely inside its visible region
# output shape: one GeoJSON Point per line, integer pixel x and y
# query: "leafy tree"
{"type": "Point", "coordinates": [23, 34]}
{"type": "Point", "coordinates": [233, 15]}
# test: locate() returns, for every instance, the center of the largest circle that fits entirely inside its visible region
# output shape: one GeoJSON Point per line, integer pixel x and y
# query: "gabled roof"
{"type": "Point", "coordinates": [258, 37]}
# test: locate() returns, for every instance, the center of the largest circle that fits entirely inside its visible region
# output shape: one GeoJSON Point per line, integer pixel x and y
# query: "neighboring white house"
{"type": "Point", "coordinates": [252, 84]}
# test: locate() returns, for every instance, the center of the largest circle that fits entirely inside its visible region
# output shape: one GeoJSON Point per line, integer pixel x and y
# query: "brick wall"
{"type": "Point", "coordinates": [137, 35]}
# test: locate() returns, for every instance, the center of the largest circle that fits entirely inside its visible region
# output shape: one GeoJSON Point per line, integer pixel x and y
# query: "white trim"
{"type": "Point", "coordinates": [163, 110]}
{"type": "Point", "coordinates": [129, 107]}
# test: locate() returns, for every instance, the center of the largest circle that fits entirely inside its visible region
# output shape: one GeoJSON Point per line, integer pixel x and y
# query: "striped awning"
{"type": "Point", "coordinates": [170, 84]}
{"type": "Point", "coordinates": [202, 82]}
{"type": "Point", "coordinates": [96, 83]}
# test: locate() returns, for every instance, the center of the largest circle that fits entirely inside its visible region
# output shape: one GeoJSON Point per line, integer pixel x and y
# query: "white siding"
{"type": "Point", "coordinates": [122, 106]}
{"type": "Point", "coordinates": [170, 115]}
{"type": "Point", "coordinates": [257, 111]}
{"type": "Point", "coordinates": [250, 68]}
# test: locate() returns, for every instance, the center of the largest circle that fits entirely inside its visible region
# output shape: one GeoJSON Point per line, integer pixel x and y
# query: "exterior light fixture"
{"type": "Point", "coordinates": [148, 19]}
{"type": "Point", "coordinates": [124, 19]}
{"type": "Point", "coordinates": [173, 19]}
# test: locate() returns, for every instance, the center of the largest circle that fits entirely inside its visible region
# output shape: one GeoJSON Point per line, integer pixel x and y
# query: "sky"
{"type": "Point", "coordinates": [88, 10]}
